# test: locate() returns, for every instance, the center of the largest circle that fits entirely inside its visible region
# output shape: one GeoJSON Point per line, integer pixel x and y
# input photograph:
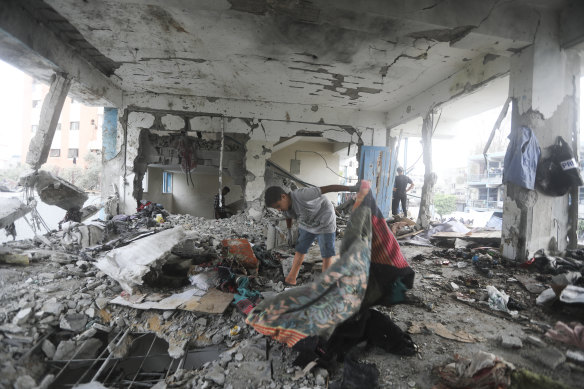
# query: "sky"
{"type": "Point", "coordinates": [11, 108]}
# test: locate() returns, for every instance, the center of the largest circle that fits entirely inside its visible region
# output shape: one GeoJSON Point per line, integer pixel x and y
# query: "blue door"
{"type": "Point", "coordinates": [377, 165]}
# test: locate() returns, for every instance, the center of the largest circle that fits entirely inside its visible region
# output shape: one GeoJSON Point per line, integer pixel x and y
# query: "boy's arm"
{"type": "Point", "coordinates": [338, 188]}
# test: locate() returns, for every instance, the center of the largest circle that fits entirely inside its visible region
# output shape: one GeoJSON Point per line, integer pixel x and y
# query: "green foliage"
{"type": "Point", "coordinates": [13, 173]}
{"type": "Point", "coordinates": [580, 225]}
{"type": "Point", "coordinates": [444, 204]}
{"type": "Point", "coordinates": [88, 178]}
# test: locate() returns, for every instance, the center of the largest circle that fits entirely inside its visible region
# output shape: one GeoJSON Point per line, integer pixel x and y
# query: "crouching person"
{"type": "Point", "coordinates": [316, 219]}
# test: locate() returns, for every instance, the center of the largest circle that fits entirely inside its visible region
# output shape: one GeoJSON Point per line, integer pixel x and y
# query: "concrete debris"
{"type": "Point", "coordinates": [510, 341]}
{"type": "Point", "coordinates": [22, 316]}
{"type": "Point", "coordinates": [54, 190]}
{"type": "Point", "coordinates": [11, 209]}
{"type": "Point", "coordinates": [25, 382]}
{"type": "Point", "coordinates": [48, 348]}
{"type": "Point", "coordinates": [73, 322]}
{"type": "Point", "coordinates": [172, 278]}
{"type": "Point", "coordinates": [129, 264]}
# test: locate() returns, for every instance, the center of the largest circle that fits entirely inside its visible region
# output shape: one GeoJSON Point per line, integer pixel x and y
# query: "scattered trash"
{"type": "Point", "coordinates": [481, 370]}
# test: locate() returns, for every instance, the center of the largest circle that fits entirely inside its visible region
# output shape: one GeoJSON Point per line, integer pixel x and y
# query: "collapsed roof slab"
{"type": "Point", "coordinates": [30, 45]}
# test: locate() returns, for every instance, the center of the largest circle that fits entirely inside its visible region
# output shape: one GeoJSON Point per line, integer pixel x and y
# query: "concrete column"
{"type": "Point", "coordinates": [40, 145]}
{"type": "Point", "coordinates": [427, 197]}
{"type": "Point", "coordinates": [255, 164]}
{"type": "Point", "coordinates": [544, 85]}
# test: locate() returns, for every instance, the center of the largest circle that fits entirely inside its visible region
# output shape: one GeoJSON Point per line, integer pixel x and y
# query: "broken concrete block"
{"type": "Point", "coordinates": [55, 191]}
{"type": "Point", "coordinates": [11, 209]}
{"type": "Point", "coordinates": [22, 316]}
{"type": "Point", "coordinates": [52, 307]}
{"type": "Point", "coordinates": [101, 302]}
{"type": "Point", "coordinates": [248, 374]}
{"type": "Point", "coordinates": [217, 375]}
{"type": "Point", "coordinates": [509, 341]}
{"type": "Point", "coordinates": [48, 348]}
{"type": "Point", "coordinates": [25, 382]}
{"type": "Point", "coordinates": [90, 333]}
{"type": "Point", "coordinates": [65, 350]}
{"type": "Point", "coordinates": [73, 322]}
{"type": "Point", "coordinates": [130, 263]}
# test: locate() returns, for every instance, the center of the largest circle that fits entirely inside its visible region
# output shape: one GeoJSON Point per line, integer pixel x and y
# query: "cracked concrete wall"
{"type": "Point", "coordinates": [255, 164]}
{"type": "Point", "coordinates": [312, 167]}
{"type": "Point", "coordinates": [544, 83]}
{"type": "Point", "coordinates": [137, 123]}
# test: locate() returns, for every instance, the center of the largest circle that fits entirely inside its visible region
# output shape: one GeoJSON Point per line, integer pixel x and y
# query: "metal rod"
{"type": "Point", "coordinates": [111, 371]}
{"type": "Point", "coordinates": [221, 162]}
{"type": "Point", "coordinates": [143, 360]}
{"type": "Point", "coordinates": [98, 357]}
{"type": "Point", "coordinates": [67, 364]}
{"type": "Point", "coordinates": [103, 366]}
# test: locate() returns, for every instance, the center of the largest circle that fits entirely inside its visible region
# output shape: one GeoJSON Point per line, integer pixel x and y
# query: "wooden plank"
{"type": "Point", "coordinates": [468, 235]}
{"type": "Point", "coordinates": [214, 301]}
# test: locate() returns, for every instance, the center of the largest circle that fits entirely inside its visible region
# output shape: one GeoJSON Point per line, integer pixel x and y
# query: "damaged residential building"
{"type": "Point", "coordinates": [149, 289]}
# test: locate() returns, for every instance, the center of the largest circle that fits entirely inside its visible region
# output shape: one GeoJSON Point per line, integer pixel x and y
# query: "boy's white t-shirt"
{"type": "Point", "coordinates": [314, 212]}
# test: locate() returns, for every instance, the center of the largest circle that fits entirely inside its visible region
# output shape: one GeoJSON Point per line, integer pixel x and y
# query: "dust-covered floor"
{"type": "Point", "coordinates": [440, 315]}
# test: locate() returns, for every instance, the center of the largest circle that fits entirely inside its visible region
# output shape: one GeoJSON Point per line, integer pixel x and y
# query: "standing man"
{"type": "Point", "coordinates": [400, 190]}
{"type": "Point", "coordinates": [316, 219]}
{"type": "Point", "coordinates": [219, 206]}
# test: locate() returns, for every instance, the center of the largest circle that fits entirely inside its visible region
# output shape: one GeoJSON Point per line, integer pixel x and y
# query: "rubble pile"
{"type": "Point", "coordinates": [83, 303]}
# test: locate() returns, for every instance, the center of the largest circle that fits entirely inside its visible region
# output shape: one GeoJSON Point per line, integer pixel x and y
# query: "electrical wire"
{"type": "Point", "coordinates": [325, 163]}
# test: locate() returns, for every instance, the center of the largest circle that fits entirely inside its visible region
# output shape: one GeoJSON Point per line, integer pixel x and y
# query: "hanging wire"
{"type": "Point", "coordinates": [325, 163]}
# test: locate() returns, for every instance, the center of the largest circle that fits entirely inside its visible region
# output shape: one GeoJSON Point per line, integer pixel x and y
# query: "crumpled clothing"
{"type": "Point", "coordinates": [521, 158]}
{"type": "Point", "coordinates": [572, 334]}
{"type": "Point", "coordinates": [316, 309]}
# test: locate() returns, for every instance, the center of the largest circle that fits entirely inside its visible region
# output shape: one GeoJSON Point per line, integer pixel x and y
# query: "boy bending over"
{"type": "Point", "coordinates": [316, 218]}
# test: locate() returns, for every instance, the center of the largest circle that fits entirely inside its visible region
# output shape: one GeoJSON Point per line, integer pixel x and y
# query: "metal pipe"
{"type": "Point", "coordinates": [221, 161]}
{"type": "Point", "coordinates": [103, 366]}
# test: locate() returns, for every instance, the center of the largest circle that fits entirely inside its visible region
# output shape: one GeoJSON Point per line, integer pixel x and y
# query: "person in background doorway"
{"type": "Point", "coordinates": [400, 189]}
{"type": "Point", "coordinates": [316, 219]}
{"type": "Point", "coordinates": [220, 212]}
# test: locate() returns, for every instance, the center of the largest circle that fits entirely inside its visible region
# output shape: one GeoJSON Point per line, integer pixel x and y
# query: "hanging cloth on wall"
{"type": "Point", "coordinates": [520, 163]}
{"type": "Point", "coordinates": [560, 171]}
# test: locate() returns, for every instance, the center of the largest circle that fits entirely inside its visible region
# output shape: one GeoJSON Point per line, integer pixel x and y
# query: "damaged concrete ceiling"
{"type": "Point", "coordinates": [369, 56]}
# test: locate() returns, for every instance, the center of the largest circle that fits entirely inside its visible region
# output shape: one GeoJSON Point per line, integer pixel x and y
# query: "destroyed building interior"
{"type": "Point", "coordinates": [162, 286]}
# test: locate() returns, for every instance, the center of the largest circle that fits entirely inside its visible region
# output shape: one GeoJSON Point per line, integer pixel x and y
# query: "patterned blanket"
{"type": "Point", "coordinates": [371, 271]}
